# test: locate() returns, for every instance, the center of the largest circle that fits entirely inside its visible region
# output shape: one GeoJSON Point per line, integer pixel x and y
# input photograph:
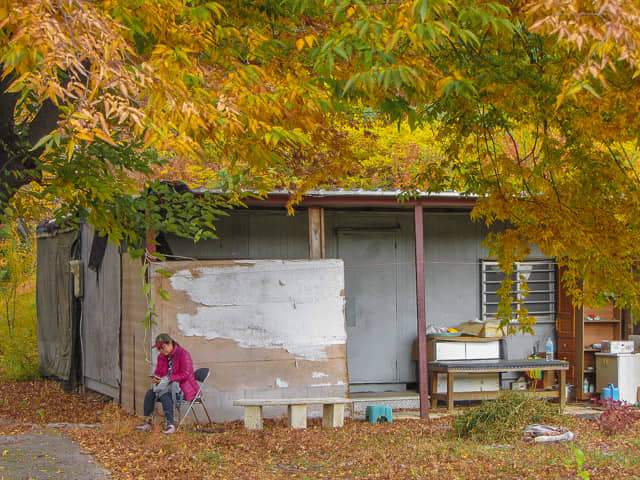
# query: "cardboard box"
{"type": "Point", "coordinates": [471, 328]}
{"type": "Point", "coordinates": [617, 346]}
{"type": "Point", "coordinates": [492, 329]}
{"type": "Point", "coordinates": [488, 329]}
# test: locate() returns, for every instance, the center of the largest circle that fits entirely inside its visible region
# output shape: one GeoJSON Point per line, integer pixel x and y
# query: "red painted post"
{"type": "Point", "coordinates": [421, 317]}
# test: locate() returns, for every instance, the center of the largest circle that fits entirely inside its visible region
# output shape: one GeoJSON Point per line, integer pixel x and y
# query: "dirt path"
{"type": "Point", "coordinates": [45, 453]}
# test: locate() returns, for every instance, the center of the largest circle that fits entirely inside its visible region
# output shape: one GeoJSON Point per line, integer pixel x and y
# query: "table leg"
{"type": "Point", "coordinates": [450, 391]}
{"type": "Point", "coordinates": [563, 390]}
{"type": "Point", "coordinates": [434, 389]}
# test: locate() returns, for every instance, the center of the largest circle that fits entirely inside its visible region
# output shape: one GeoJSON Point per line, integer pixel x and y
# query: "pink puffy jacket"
{"type": "Point", "coordinates": [182, 371]}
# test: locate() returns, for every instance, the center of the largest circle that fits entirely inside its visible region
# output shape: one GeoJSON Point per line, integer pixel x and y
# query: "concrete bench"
{"type": "Point", "coordinates": [332, 410]}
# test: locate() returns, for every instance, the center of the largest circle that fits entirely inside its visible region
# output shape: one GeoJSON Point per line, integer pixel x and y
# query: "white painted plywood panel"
{"type": "Point", "coordinates": [483, 350]}
{"type": "Point", "coordinates": [470, 382]}
{"type": "Point", "coordinates": [450, 351]}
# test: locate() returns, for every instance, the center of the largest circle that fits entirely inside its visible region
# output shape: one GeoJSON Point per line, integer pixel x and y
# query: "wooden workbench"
{"type": "Point", "coordinates": [453, 367]}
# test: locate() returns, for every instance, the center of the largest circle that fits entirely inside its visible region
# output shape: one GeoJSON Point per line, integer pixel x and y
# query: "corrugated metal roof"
{"type": "Point", "coordinates": [359, 197]}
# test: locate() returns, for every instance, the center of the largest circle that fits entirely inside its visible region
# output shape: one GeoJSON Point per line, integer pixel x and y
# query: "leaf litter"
{"type": "Point", "coordinates": [404, 449]}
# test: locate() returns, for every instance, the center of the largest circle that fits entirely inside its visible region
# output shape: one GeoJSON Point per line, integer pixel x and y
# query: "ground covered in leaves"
{"type": "Point", "coordinates": [404, 449]}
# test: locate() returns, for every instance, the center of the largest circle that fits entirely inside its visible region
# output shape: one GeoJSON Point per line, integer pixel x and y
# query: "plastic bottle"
{"type": "Point", "coordinates": [585, 386]}
{"type": "Point", "coordinates": [548, 348]}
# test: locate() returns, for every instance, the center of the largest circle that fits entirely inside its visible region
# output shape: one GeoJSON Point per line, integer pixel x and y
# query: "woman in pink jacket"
{"type": "Point", "coordinates": [174, 365]}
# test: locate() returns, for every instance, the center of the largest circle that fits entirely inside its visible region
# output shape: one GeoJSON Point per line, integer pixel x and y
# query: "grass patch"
{"type": "Point", "coordinates": [19, 355]}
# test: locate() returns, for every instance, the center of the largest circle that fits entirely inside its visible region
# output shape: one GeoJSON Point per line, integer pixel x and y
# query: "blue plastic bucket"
{"type": "Point", "coordinates": [607, 394]}
{"type": "Point", "coordinates": [615, 393]}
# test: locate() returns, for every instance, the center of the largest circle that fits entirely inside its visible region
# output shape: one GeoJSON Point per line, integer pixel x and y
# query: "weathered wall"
{"type": "Point", "coordinates": [101, 313]}
{"type": "Point", "coordinates": [265, 328]}
{"type": "Point", "coordinates": [378, 250]}
{"type": "Point", "coordinates": [135, 342]}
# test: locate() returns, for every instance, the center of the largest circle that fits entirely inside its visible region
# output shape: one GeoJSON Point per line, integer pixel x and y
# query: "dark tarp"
{"type": "Point", "coordinates": [57, 327]}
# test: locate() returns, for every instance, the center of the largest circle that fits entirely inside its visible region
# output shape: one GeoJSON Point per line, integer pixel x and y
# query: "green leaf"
{"type": "Point", "coordinates": [164, 272]}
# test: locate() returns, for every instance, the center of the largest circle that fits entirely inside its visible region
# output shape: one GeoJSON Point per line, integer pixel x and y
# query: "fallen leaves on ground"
{"type": "Point", "coordinates": [404, 449]}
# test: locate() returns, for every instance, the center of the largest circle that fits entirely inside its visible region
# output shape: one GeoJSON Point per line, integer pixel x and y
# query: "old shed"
{"type": "Point", "coordinates": [328, 301]}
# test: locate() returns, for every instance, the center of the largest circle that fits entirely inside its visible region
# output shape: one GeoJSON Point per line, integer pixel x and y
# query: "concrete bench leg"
{"type": "Point", "coordinates": [297, 416]}
{"type": "Point", "coordinates": [253, 418]}
{"type": "Point", "coordinates": [333, 415]}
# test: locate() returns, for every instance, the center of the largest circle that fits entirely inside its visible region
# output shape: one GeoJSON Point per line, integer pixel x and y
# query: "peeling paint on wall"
{"type": "Point", "coordinates": [281, 383]}
{"type": "Point", "coordinates": [319, 375]}
{"type": "Point", "coordinates": [293, 305]}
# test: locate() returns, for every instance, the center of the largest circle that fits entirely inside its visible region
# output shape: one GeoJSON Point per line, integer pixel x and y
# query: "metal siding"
{"type": "Point", "coordinates": [406, 298]}
{"type": "Point", "coordinates": [101, 314]}
{"type": "Point", "coordinates": [251, 235]}
{"type": "Point", "coordinates": [452, 253]}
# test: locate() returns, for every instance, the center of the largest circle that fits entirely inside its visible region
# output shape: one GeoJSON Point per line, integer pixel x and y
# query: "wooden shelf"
{"type": "Point", "coordinates": [576, 334]}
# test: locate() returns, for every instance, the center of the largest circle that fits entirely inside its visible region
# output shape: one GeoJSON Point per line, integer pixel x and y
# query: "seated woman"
{"type": "Point", "coordinates": [174, 365]}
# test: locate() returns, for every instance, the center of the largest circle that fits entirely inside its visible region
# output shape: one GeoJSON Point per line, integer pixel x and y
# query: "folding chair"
{"type": "Point", "coordinates": [201, 374]}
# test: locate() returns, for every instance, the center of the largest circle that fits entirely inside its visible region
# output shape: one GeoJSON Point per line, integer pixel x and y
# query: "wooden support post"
{"type": "Point", "coordinates": [316, 233]}
{"type": "Point", "coordinates": [421, 313]}
{"type": "Point", "coordinates": [297, 416]}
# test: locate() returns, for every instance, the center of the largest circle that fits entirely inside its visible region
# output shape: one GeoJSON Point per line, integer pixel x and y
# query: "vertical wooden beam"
{"type": "Point", "coordinates": [316, 233]}
{"type": "Point", "coordinates": [150, 243]}
{"type": "Point", "coordinates": [421, 313]}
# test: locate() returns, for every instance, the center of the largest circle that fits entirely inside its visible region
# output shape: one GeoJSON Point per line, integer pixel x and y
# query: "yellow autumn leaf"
{"type": "Point", "coordinates": [300, 44]}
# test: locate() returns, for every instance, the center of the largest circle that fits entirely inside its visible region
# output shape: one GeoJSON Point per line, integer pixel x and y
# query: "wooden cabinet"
{"type": "Point", "coordinates": [605, 326]}
{"type": "Point", "coordinates": [578, 329]}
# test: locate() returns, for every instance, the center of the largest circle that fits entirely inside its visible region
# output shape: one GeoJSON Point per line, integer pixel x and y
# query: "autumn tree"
{"type": "Point", "coordinates": [532, 104]}
{"type": "Point", "coordinates": [99, 96]}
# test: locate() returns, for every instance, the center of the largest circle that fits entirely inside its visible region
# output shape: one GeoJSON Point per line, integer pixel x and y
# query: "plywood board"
{"type": "Point", "coordinates": [265, 328]}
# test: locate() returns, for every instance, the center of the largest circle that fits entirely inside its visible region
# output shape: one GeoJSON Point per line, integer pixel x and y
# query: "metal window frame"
{"type": "Point", "coordinates": [489, 297]}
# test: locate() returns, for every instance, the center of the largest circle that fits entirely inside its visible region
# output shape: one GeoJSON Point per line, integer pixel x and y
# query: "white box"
{"type": "Point", "coordinates": [450, 351]}
{"type": "Point", "coordinates": [483, 350]}
{"type": "Point", "coordinates": [470, 382]}
{"type": "Point", "coordinates": [617, 346]}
